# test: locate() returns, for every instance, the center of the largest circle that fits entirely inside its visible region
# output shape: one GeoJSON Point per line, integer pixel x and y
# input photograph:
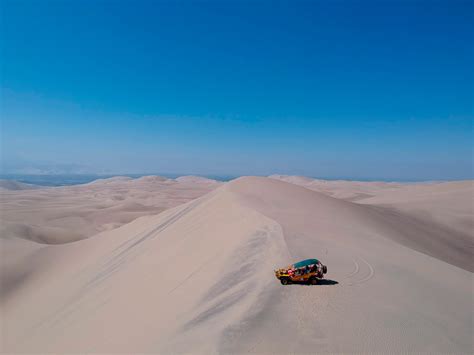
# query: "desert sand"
{"type": "Point", "coordinates": [57, 215]}
{"type": "Point", "coordinates": [16, 185]}
{"type": "Point", "coordinates": [198, 278]}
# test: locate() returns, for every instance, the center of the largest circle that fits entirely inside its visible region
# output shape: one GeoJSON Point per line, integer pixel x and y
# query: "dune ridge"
{"type": "Point", "coordinates": [57, 215]}
{"type": "Point", "coordinates": [204, 270]}
{"type": "Point", "coordinates": [16, 185]}
{"type": "Point", "coordinates": [436, 218]}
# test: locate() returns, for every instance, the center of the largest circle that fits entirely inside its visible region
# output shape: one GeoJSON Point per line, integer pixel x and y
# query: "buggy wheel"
{"type": "Point", "coordinates": [313, 281]}
{"type": "Point", "coordinates": [284, 281]}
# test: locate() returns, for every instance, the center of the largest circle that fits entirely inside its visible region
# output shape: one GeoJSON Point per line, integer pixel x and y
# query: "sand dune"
{"type": "Point", "coordinates": [435, 217]}
{"type": "Point", "coordinates": [16, 185]}
{"type": "Point", "coordinates": [199, 278]}
{"type": "Point", "coordinates": [342, 189]}
{"type": "Point", "coordinates": [65, 214]}
{"type": "Point", "coordinates": [447, 203]}
{"type": "Point", "coordinates": [195, 179]}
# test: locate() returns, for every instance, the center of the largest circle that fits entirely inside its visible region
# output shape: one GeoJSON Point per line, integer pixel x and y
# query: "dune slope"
{"type": "Point", "coordinates": [16, 185]}
{"type": "Point", "coordinates": [66, 214]}
{"type": "Point", "coordinates": [199, 278]}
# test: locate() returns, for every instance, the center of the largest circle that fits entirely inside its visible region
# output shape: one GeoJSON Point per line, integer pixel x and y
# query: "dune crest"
{"type": "Point", "coordinates": [70, 213]}
{"type": "Point", "coordinates": [447, 205]}
{"type": "Point", "coordinates": [201, 290]}
{"type": "Point", "coordinates": [196, 179]}
{"type": "Point", "coordinates": [16, 185]}
{"type": "Point", "coordinates": [204, 270]}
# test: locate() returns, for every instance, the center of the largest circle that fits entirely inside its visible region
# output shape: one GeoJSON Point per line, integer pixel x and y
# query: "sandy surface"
{"type": "Point", "coordinates": [436, 218]}
{"type": "Point", "coordinates": [55, 215]}
{"type": "Point", "coordinates": [198, 278]}
{"type": "Point", "coordinates": [16, 185]}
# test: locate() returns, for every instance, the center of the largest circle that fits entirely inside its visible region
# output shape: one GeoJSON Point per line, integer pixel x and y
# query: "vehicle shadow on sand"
{"type": "Point", "coordinates": [322, 282]}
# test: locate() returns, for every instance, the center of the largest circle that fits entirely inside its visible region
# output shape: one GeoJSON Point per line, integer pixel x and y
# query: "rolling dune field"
{"type": "Point", "coordinates": [198, 277]}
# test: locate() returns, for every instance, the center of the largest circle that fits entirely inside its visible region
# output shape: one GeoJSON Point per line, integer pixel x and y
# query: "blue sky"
{"type": "Point", "coordinates": [354, 89]}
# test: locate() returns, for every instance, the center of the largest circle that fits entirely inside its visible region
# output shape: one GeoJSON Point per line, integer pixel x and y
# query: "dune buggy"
{"type": "Point", "coordinates": [305, 271]}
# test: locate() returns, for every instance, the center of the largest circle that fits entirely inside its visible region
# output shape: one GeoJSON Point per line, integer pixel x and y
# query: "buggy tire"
{"type": "Point", "coordinates": [325, 269]}
{"type": "Point", "coordinates": [285, 281]}
{"type": "Point", "coordinates": [313, 281]}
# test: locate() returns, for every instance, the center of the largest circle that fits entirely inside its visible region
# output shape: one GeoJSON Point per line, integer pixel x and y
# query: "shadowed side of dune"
{"type": "Point", "coordinates": [189, 272]}
{"type": "Point", "coordinates": [199, 278]}
{"type": "Point", "coordinates": [279, 200]}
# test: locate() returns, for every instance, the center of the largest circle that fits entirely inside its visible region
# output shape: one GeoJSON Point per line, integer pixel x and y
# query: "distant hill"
{"type": "Point", "coordinates": [196, 179]}
{"type": "Point", "coordinates": [16, 185]}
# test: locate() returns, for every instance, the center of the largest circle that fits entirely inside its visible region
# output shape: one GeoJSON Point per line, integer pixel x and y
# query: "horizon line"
{"type": "Point", "coordinates": [221, 177]}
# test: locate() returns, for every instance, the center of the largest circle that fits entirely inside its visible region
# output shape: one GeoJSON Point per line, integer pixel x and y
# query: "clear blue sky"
{"type": "Point", "coordinates": [355, 89]}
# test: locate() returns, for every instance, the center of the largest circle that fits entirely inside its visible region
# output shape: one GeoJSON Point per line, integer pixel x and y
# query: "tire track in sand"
{"type": "Point", "coordinates": [366, 265]}
{"type": "Point", "coordinates": [356, 269]}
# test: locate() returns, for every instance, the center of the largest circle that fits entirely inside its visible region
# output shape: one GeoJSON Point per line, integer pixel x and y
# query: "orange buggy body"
{"type": "Point", "coordinates": [305, 271]}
